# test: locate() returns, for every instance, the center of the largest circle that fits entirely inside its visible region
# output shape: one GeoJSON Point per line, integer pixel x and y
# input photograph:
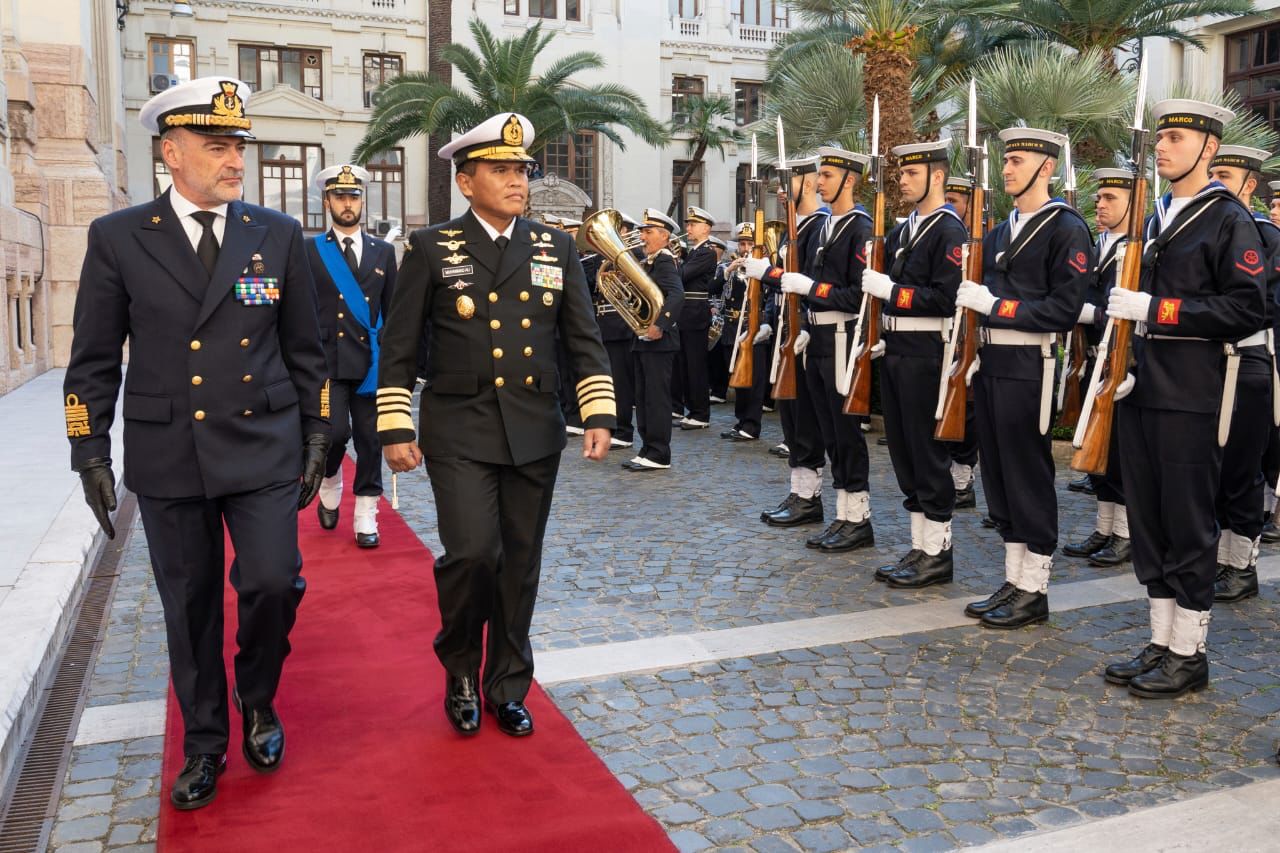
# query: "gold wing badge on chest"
{"type": "Point", "coordinates": [452, 245]}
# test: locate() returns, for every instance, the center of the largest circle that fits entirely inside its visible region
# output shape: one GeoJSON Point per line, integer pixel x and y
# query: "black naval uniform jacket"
{"type": "Point", "coordinates": [346, 341]}
{"type": "Point", "coordinates": [491, 392]}
{"type": "Point", "coordinates": [1099, 290]}
{"type": "Point", "coordinates": [1207, 284]}
{"type": "Point", "coordinates": [226, 373]}
{"type": "Point", "coordinates": [1040, 282]}
{"type": "Point", "coordinates": [662, 269]}
{"type": "Point", "coordinates": [808, 237]}
{"type": "Point", "coordinates": [926, 269]}
{"type": "Point", "coordinates": [1257, 360]}
{"type": "Point", "coordinates": [696, 275]}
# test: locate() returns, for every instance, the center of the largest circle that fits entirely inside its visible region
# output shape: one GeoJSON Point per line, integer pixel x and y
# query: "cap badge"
{"type": "Point", "coordinates": [513, 131]}
{"type": "Point", "coordinates": [228, 104]}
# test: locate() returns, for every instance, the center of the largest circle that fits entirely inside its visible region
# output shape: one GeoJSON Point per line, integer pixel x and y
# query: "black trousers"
{"type": "Point", "coordinates": [841, 433]}
{"type": "Point", "coordinates": [718, 367]}
{"type": "Point", "coordinates": [800, 425]}
{"type": "Point", "coordinates": [354, 418]}
{"type": "Point", "coordinates": [1171, 467]}
{"type": "Point", "coordinates": [1109, 487]}
{"type": "Point", "coordinates": [691, 368]}
{"type": "Point", "coordinates": [492, 519]}
{"type": "Point", "coordinates": [966, 452]}
{"type": "Point", "coordinates": [922, 464]}
{"type": "Point", "coordinates": [1017, 462]}
{"type": "Point", "coordinates": [653, 404]}
{"type": "Point", "coordinates": [748, 403]}
{"type": "Point", "coordinates": [1271, 458]}
{"type": "Point", "coordinates": [185, 538]}
{"type": "Point", "coordinates": [622, 366]}
{"type": "Point", "coordinates": [1239, 504]}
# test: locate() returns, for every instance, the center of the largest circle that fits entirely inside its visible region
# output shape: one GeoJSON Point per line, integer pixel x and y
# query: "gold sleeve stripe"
{"type": "Point", "coordinates": [594, 395]}
{"type": "Point", "coordinates": [592, 408]}
{"type": "Point", "coordinates": [324, 400]}
{"type": "Point", "coordinates": [587, 383]}
{"type": "Point", "coordinates": [388, 421]}
{"type": "Point", "coordinates": [393, 397]}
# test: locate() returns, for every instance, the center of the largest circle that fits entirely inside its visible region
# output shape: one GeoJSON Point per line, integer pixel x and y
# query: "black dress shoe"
{"type": "Point", "coordinates": [832, 529]}
{"type": "Point", "coordinates": [1018, 610]}
{"type": "Point", "coordinates": [1176, 675]}
{"type": "Point", "coordinates": [1234, 584]}
{"type": "Point", "coordinates": [989, 522]}
{"type": "Point", "coordinates": [907, 559]}
{"type": "Point", "coordinates": [801, 511]}
{"type": "Point", "coordinates": [462, 703]}
{"type": "Point", "coordinates": [1124, 671]}
{"type": "Point", "coordinates": [1270, 532]}
{"type": "Point", "coordinates": [263, 741]}
{"type": "Point", "coordinates": [786, 503]}
{"type": "Point", "coordinates": [328, 517]}
{"type": "Point", "coordinates": [366, 540]}
{"type": "Point", "coordinates": [966, 498]}
{"type": "Point", "coordinates": [882, 441]}
{"type": "Point", "coordinates": [926, 571]}
{"type": "Point", "coordinates": [737, 435]}
{"type": "Point", "coordinates": [1096, 542]}
{"type": "Point", "coordinates": [853, 535]}
{"type": "Point", "coordinates": [780, 450]}
{"type": "Point", "coordinates": [1081, 484]}
{"type": "Point", "coordinates": [513, 718]}
{"type": "Point", "coordinates": [1116, 551]}
{"type": "Point", "coordinates": [975, 609]}
{"type": "Point", "coordinates": [197, 782]}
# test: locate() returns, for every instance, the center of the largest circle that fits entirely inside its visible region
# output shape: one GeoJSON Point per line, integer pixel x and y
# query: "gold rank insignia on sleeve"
{"type": "Point", "coordinates": [324, 399]}
{"type": "Point", "coordinates": [595, 396]}
{"type": "Point", "coordinates": [395, 409]}
{"type": "Point", "coordinates": [77, 415]}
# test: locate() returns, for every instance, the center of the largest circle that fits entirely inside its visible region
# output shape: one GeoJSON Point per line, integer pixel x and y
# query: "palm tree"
{"type": "Point", "coordinates": [704, 121]}
{"type": "Point", "coordinates": [439, 34]}
{"type": "Point", "coordinates": [1110, 24]}
{"type": "Point", "coordinates": [500, 73]}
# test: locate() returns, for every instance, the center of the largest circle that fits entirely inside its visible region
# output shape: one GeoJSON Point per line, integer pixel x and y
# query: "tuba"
{"type": "Point", "coordinates": [621, 280]}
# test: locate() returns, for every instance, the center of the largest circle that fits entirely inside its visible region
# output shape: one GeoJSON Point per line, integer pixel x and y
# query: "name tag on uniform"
{"type": "Point", "coordinates": [545, 275]}
{"type": "Point", "coordinates": [255, 290]}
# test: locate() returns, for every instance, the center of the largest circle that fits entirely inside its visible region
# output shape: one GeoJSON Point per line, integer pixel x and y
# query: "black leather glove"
{"type": "Point", "coordinates": [314, 453]}
{"type": "Point", "coordinates": [100, 491]}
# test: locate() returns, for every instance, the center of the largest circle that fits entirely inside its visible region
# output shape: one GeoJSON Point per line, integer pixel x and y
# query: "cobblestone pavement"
{"type": "Point", "coordinates": [924, 741]}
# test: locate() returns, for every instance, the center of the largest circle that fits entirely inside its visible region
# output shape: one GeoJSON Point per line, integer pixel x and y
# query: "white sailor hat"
{"type": "Point", "coordinates": [803, 165]}
{"type": "Point", "coordinates": [1194, 115]}
{"type": "Point", "coordinates": [718, 243]}
{"type": "Point", "coordinates": [1240, 156]}
{"type": "Point", "coordinates": [745, 231]}
{"type": "Point", "coordinates": [570, 222]}
{"type": "Point", "coordinates": [213, 106]}
{"type": "Point", "coordinates": [628, 220]}
{"type": "Point", "coordinates": [959, 184]}
{"type": "Point", "coordinates": [501, 138]}
{"type": "Point", "coordinates": [922, 152]}
{"type": "Point", "coordinates": [1034, 140]}
{"type": "Point", "coordinates": [345, 179]}
{"type": "Point", "coordinates": [551, 219]}
{"type": "Point", "coordinates": [1274, 186]}
{"type": "Point", "coordinates": [697, 214]}
{"type": "Point", "coordinates": [654, 218]}
{"type": "Point", "coordinates": [829, 155]}
{"type": "Point", "coordinates": [1115, 178]}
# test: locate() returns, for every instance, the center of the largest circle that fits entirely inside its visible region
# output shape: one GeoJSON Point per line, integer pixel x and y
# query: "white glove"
{"type": "Point", "coordinates": [756, 267]}
{"type": "Point", "coordinates": [976, 297]}
{"type": "Point", "coordinates": [877, 351]}
{"type": "Point", "coordinates": [795, 282]}
{"type": "Point", "coordinates": [1125, 387]}
{"type": "Point", "coordinates": [1088, 312]}
{"type": "Point", "coordinates": [877, 284]}
{"type": "Point", "coordinates": [973, 369]}
{"type": "Point", "coordinates": [1128, 304]}
{"type": "Point", "coordinates": [802, 341]}
{"type": "Point", "coordinates": [766, 332]}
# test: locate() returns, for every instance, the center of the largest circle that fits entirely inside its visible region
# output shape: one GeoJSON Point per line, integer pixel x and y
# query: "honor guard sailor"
{"type": "Point", "coordinates": [1202, 292]}
{"type": "Point", "coordinates": [925, 258]}
{"type": "Point", "coordinates": [496, 288]}
{"type": "Point", "coordinates": [1108, 544]}
{"type": "Point", "coordinates": [692, 391]}
{"type": "Point", "coordinates": [1240, 495]}
{"type": "Point", "coordinates": [833, 295]}
{"type": "Point", "coordinates": [1036, 267]}
{"type": "Point", "coordinates": [225, 408]}
{"type": "Point", "coordinates": [964, 454]}
{"type": "Point", "coordinates": [655, 351]}
{"type": "Point", "coordinates": [748, 403]}
{"type": "Point", "coordinates": [355, 275]}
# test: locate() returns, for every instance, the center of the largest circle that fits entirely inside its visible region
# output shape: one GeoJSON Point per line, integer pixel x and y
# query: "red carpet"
{"type": "Point", "coordinates": [371, 764]}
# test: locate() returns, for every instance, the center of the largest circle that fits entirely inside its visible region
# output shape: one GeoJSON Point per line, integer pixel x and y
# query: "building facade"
{"type": "Point", "coordinates": [61, 166]}
{"type": "Point", "coordinates": [312, 66]}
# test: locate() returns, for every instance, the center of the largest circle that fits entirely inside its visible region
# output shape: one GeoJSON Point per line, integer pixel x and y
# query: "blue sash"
{"type": "Point", "coordinates": [336, 264]}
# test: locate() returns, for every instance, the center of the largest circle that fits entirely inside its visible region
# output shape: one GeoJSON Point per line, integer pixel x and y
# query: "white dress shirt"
{"type": "Point", "coordinates": [184, 208]}
{"type": "Point", "coordinates": [493, 232]}
{"type": "Point", "coordinates": [357, 243]}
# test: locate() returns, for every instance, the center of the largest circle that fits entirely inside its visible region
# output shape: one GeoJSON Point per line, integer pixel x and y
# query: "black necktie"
{"type": "Point", "coordinates": [207, 248]}
{"type": "Point", "coordinates": [502, 242]}
{"type": "Point", "coordinates": [350, 254]}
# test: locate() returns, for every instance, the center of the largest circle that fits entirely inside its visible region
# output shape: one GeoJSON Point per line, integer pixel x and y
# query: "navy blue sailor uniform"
{"type": "Point", "coordinates": [748, 403]}
{"type": "Point", "coordinates": [1108, 487]}
{"type": "Point", "coordinates": [655, 362]}
{"type": "Point", "coordinates": [227, 375]}
{"type": "Point", "coordinates": [691, 386]}
{"type": "Point", "coordinates": [718, 353]}
{"type": "Point", "coordinates": [490, 424]}
{"type": "Point", "coordinates": [348, 342]}
{"type": "Point", "coordinates": [800, 429]}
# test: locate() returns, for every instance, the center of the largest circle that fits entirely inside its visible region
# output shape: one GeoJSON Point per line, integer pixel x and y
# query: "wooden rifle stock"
{"type": "Point", "coordinates": [858, 400]}
{"type": "Point", "coordinates": [785, 386]}
{"type": "Point", "coordinates": [955, 401]}
{"type": "Point", "coordinates": [1073, 399]}
{"type": "Point", "coordinates": [743, 372]}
